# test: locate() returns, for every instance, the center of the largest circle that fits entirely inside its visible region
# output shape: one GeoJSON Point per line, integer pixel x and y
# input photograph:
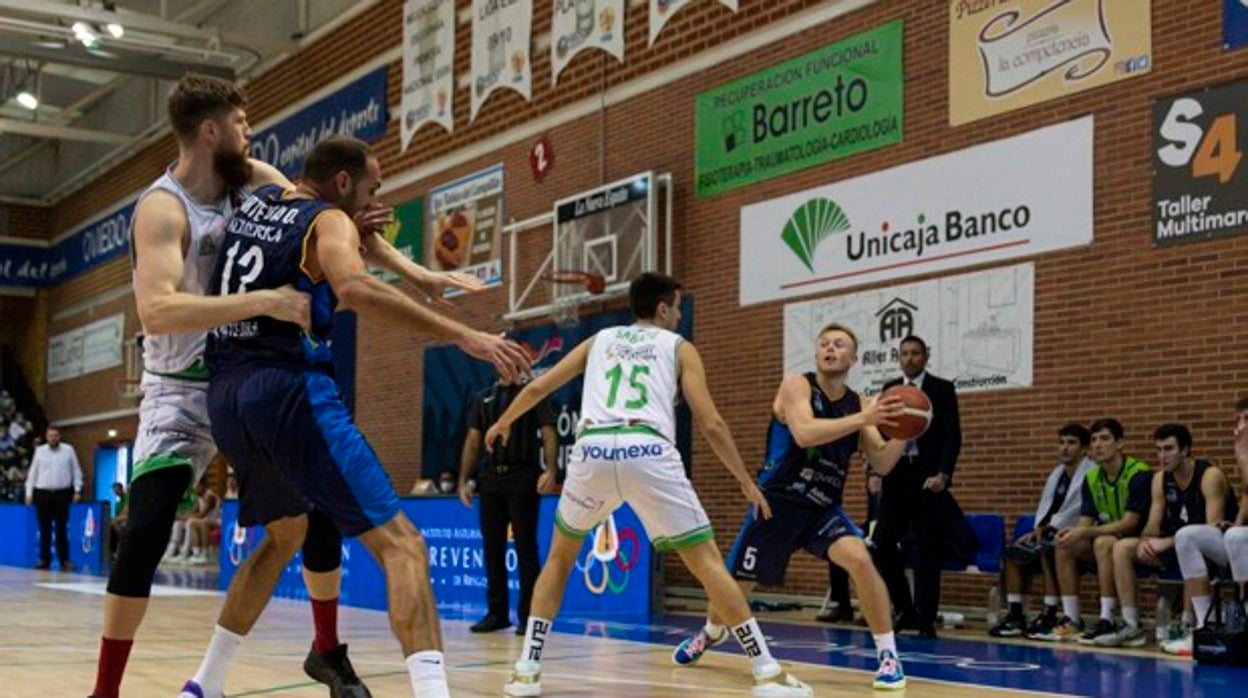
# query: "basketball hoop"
{"type": "Point", "coordinates": [566, 311]}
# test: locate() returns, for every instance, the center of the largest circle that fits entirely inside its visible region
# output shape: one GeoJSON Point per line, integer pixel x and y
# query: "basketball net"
{"type": "Point", "coordinates": [566, 313]}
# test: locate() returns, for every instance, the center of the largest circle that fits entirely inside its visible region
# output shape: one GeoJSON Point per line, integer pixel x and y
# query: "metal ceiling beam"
{"type": "Point", "coordinates": [132, 65]}
{"type": "Point", "coordinates": [65, 133]}
{"type": "Point", "coordinates": [142, 22]}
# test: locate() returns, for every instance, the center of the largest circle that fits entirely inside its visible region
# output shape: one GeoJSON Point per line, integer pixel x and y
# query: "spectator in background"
{"type": "Point", "coordinates": [205, 518]}
{"type": "Point", "coordinates": [7, 405]}
{"type": "Point", "coordinates": [1060, 504]}
{"type": "Point", "coordinates": [19, 428]}
{"type": "Point", "coordinates": [916, 496]}
{"type": "Point", "coordinates": [231, 486]}
{"type": "Point", "coordinates": [510, 481]}
{"type": "Point", "coordinates": [446, 482]}
{"type": "Point", "coordinates": [54, 481]}
{"type": "Point", "coordinates": [120, 520]}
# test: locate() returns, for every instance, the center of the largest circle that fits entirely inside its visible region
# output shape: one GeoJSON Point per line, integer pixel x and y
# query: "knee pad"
{"type": "Point", "coordinates": [322, 548]}
{"type": "Point", "coordinates": [154, 501]}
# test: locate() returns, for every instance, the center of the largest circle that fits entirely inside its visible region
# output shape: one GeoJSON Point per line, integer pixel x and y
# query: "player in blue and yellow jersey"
{"type": "Point", "coordinates": [280, 420]}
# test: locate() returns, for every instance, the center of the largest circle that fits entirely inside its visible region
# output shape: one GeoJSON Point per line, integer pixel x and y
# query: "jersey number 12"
{"type": "Point", "coordinates": [250, 263]}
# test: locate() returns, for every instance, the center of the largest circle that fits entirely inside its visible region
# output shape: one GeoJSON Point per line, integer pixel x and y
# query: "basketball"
{"type": "Point", "coordinates": [917, 416]}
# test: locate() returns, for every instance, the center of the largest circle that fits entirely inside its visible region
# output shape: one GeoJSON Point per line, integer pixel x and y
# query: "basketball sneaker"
{"type": "Point", "coordinates": [1041, 626]}
{"type": "Point", "coordinates": [772, 680]}
{"type": "Point", "coordinates": [1066, 629]}
{"type": "Point", "coordinates": [1102, 628]}
{"type": "Point", "coordinates": [1126, 636]}
{"type": "Point", "coordinates": [890, 676]}
{"type": "Point", "coordinates": [1180, 646]}
{"type": "Point", "coordinates": [190, 689]}
{"type": "Point", "coordinates": [334, 670]}
{"type": "Point", "coordinates": [526, 680]}
{"type": "Point", "coordinates": [692, 648]}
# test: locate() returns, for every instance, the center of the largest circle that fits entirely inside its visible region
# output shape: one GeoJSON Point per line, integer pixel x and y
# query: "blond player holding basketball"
{"type": "Point", "coordinates": [625, 452]}
{"type": "Point", "coordinates": [817, 425]}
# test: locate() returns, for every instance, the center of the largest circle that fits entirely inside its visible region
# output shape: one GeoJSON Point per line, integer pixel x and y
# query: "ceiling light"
{"type": "Point", "coordinates": [83, 33]}
{"type": "Point", "coordinates": [28, 100]}
{"type": "Point", "coordinates": [116, 30]}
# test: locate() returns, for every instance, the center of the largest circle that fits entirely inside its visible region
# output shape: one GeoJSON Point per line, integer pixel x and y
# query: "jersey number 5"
{"type": "Point", "coordinates": [250, 263]}
{"type": "Point", "coordinates": [616, 374]}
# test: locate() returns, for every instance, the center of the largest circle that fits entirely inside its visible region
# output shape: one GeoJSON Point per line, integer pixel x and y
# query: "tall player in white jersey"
{"type": "Point", "coordinates": [177, 228]}
{"type": "Point", "coordinates": [625, 452]}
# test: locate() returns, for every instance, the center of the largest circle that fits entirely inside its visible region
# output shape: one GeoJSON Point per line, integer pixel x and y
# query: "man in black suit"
{"type": "Point", "coordinates": [916, 498]}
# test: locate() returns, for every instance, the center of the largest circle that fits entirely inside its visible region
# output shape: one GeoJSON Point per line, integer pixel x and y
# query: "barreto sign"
{"type": "Point", "coordinates": [1001, 200]}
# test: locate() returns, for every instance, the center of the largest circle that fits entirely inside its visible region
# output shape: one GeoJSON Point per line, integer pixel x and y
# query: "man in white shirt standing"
{"type": "Point", "coordinates": [54, 481]}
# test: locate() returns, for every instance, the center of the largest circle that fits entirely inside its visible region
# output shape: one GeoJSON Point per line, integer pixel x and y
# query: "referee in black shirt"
{"type": "Point", "coordinates": [509, 483]}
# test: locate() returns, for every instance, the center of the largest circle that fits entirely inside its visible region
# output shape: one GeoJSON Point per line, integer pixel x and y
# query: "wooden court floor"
{"type": "Point", "coordinates": [51, 623]}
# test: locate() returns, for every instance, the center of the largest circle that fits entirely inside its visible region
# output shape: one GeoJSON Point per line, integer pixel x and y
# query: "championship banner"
{"type": "Point", "coordinates": [1234, 23]}
{"type": "Point", "coordinates": [663, 10]}
{"type": "Point", "coordinates": [466, 223]}
{"type": "Point", "coordinates": [578, 25]}
{"type": "Point", "coordinates": [428, 66]}
{"type": "Point", "coordinates": [1011, 198]}
{"type": "Point", "coordinates": [1011, 54]}
{"type": "Point", "coordinates": [836, 101]}
{"type": "Point", "coordinates": [979, 326]}
{"type": "Point", "coordinates": [405, 232]}
{"type": "Point", "coordinates": [500, 48]}
{"type": "Point", "coordinates": [1199, 188]}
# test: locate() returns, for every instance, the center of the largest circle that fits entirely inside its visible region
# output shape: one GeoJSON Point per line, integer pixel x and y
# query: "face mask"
{"type": "Point", "coordinates": [446, 487]}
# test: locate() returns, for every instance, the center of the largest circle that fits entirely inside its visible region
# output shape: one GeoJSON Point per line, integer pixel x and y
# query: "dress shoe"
{"type": "Point", "coordinates": [44, 566]}
{"type": "Point", "coordinates": [489, 624]}
{"type": "Point", "coordinates": [841, 614]}
{"type": "Point", "coordinates": [67, 567]}
{"type": "Point", "coordinates": [927, 632]}
{"type": "Point", "coordinates": [906, 620]}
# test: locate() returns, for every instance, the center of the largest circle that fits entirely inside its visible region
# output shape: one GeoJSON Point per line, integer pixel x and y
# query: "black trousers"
{"type": "Point", "coordinates": [510, 500]}
{"type": "Point", "coordinates": [52, 507]}
{"type": "Point", "coordinates": [906, 507]}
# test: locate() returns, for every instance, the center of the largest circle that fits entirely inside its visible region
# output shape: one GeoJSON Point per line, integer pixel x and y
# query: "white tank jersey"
{"type": "Point", "coordinates": [181, 355]}
{"type": "Point", "coordinates": [631, 378]}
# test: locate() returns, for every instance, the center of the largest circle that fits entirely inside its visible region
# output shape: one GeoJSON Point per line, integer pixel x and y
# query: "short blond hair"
{"type": "Point", "coordinates": [838, 327]}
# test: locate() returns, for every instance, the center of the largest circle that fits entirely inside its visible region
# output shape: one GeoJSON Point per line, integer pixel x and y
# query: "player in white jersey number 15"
{"type": "Point", "coordinates": [625, 452]}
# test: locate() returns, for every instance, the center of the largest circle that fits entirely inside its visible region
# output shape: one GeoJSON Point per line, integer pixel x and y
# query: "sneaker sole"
{"type": "Point", "coordinates": [897, 686]}
{"type": "Point", "coordinates": [523, 689]}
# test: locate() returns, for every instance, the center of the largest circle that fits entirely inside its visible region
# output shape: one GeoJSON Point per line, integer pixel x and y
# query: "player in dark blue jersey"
{"type": "Point", "coordinates": [278, 417]}
{"type": "Point", "coordinates": [817, 425]}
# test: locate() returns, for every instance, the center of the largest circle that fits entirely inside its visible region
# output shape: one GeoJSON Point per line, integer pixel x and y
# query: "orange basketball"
{"type": "Point", "coordinates": [917, 416]}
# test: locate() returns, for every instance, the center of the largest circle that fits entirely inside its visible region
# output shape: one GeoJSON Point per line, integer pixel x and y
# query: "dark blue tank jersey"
{"type": "Point", "coordinates": [813, 475]}
{"type": "Point", "coordinates": [263, 248]}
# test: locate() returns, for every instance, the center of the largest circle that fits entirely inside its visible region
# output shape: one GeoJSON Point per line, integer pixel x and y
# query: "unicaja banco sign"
{"type": "Point", "coordinates": [1006, 199]}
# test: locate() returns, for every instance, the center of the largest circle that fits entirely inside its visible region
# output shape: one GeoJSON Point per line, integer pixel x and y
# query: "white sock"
{"type": "Point", "coordinates": [1201, 604]}
{"type": "Point", "coordinates": [1050, 602]}
{"type": "Point", "coordinates": [1131, 614]}
{"type": "Point", "coordinates": [1013, 598]}
{"type": "Point", "coordinates": [428, 674]}
{"type": "Point", "coordinates": [1070, 607]}
{"type": "Point", "coordinates": [755, 645]}
{"type": "Point", "coordinates": [714, 630]}
{"type": "Point", "coordinates": [211, 674]}
{"type": "Point", "coordinates": [534, 640]}
{"type": "Point", "coordinates": [1107, 607]}
{"type": "Point", "coordinates": [885, 643]}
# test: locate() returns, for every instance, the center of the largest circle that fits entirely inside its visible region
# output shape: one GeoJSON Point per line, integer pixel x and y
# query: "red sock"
{"type": "Point", "coordinates": [325, 620]}
{"type": "Point", "coordinates": [112, 667]}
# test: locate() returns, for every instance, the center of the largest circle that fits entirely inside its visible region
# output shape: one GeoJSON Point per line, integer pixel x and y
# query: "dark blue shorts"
{"type": "Point", "coordinates": [290, 439]}
{"type": "Point", "coordinates": [762, 550]}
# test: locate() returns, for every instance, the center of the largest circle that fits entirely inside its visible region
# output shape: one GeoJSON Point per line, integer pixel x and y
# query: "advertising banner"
{"type": "Point", "coordinates": [466, 224]}
{"type": "Point", "coordinates": [428, 67]}
{"type": "Point", "coordinates": [501, 55]}
{"type": "Point", "coordinates": [663, 10]}
{"type": "Point", "coordinates": [82, 350]}
{"type": "Point", "coordinates": [579, 25]}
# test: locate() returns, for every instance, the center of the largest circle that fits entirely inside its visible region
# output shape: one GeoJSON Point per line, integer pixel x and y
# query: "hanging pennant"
{"type": "Point", "coordinates": [500, 48]}
{"type": "Point", "coordinates": [663, 10]}
{"type": "Point", "coordinates": [428, 66]}
{"type": "Point", "coordinates": [584, 24]}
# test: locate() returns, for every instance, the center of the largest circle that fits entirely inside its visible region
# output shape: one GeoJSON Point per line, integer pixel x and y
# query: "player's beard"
{"type": "Point", "coordinates": [233, 167]}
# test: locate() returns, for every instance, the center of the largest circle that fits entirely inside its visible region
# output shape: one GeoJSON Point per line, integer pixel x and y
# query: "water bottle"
{"type": "Point", "coordinates": [994, 606]}
{"type": "Point", "coordinates": [1163, 618]}
{"type": "Point", "coordinates": [1236, 619]}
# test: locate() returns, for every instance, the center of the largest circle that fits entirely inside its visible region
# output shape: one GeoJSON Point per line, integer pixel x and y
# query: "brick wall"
{"type": "Point", "coordinates": [1121, 328]}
